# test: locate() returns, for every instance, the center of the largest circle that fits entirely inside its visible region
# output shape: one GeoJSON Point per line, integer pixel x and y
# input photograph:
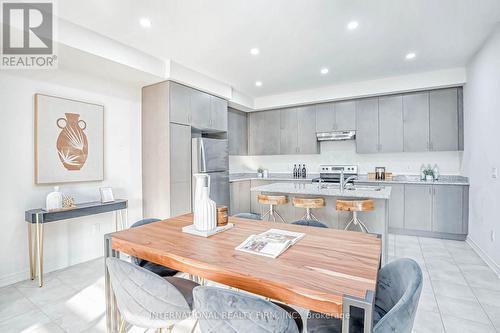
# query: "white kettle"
{"type": "Point", "coordinates": [205, 209]}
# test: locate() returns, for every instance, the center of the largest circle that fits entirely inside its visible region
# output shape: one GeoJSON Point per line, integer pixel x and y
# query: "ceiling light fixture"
{"type": "Point", "coordinates": [352, 25]}
{"type": "Point", "coordinates": [254, 51]}
{"type": "Point", "coordinates": [145, 22]}
{"type": "Point", "coordinates": [324, 71]}
{"type": "Point", "coordinates": [410, 56]}
{"type": "Point", "coordinates": [258, 83]}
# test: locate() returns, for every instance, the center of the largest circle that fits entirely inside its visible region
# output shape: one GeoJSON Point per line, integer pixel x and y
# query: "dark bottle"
{"type": "Point", "coordinates": [304, 171]}
{"type": "Point", "coordinates": [295, 171]}
{"type": "Point", "coordinates": [299, 171]}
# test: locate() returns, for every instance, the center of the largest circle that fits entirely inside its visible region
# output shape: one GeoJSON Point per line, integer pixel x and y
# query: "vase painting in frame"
{"type": "Point", "coordinates": [69, 140]}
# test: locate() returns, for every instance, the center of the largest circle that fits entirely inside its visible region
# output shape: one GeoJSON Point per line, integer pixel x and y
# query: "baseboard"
{"type": "Point", "coordinates": [490, 262]}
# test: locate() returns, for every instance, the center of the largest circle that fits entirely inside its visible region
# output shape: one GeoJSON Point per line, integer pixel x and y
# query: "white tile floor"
{"type": "Point", "coordinates": [460, 294]}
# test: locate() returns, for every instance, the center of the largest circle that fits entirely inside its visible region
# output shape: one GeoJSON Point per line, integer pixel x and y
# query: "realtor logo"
{"type": "Point", "coordinates": [28, 35]}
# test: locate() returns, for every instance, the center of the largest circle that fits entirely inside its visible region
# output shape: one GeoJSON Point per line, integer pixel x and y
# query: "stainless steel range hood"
{"type": "Point", "coordinates": [336, 136]}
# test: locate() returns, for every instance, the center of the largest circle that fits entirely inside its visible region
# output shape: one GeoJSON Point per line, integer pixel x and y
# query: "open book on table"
{"type": "Point", "coordinates": [271, 243]}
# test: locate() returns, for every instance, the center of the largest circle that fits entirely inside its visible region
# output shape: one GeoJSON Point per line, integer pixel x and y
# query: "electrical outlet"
{"type": "Point", "coordinates": [492, 235]}
{"type": "Point", "coordinates": [494, 173]}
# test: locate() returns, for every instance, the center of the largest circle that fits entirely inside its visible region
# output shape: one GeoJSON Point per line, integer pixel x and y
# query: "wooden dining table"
{"type": "Point", "coordinates": [326, 271]}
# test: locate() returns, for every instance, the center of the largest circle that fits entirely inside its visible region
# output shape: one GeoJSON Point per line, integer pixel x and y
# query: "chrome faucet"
{"type": "Point", "coordinates": [343, 182]}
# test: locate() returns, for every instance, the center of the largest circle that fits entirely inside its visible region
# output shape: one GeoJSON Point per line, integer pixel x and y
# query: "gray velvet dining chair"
{"type": "Point", "coordinates": [227, 311]}
{"type": "Point", "coordinates": [147, 300]}
{"type": "Point", "coordinates": [249, 216]}
{"type": "Point", "coordinates": [398, 291]}
{"type": "Point", "coordinates": [310, 223]}
{"type": "Point", "coordinates": [155, 268]}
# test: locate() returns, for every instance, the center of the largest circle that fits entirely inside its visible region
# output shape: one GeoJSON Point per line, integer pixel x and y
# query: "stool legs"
{"type": "Point", "coordinates": [309, 215]}
{"type": "Point", "coordinates": [356, 221]}
{"type": "Point", "coordinates": [271, 214]}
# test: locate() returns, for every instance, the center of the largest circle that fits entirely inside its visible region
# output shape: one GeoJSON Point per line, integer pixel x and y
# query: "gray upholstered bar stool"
{"type": "Point", "coordinates": [272, 201]}
{"type": "Point", "coordinates": [355, 206]}
{"type": "Point", "coordinates": [398, 291]}
{"type": "Point", "coordinates": [147, 300]}
{"type": "Point", "coordinates": [308, 204]}
{"type": "Point", "coordinates": [228, 311]}
{"type": "Point", "coordinates": [310, 223]}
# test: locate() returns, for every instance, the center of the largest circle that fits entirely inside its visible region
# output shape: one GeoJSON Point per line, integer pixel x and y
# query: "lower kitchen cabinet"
{"type": "Point", "coordinates": [418, 207]}
{"type": "Point", "coordinates": [396, 206]}
{"type": "Point", "coordinates": [240, 197]}
{"type": "Point", "coordinates": [448, 203]}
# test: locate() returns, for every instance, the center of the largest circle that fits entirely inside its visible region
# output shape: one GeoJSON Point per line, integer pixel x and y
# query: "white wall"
{"type": "Point", "coordinates": [77, 240]}
{"type": "Point", "coordinates": [482, 135]}
{"type": "Point", "coordinates": [344, 152]}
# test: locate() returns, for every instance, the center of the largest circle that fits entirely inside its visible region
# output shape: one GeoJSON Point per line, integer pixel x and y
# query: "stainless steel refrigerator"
{"type": "Point", "coordinates": [211, 156]}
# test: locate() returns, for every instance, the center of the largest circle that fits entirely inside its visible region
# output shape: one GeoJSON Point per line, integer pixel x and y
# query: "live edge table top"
{"type": "Point", "coordinates": [316, 273]}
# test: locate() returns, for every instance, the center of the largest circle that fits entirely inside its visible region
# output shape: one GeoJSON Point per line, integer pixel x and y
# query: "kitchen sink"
{"type": "Point", "coordinates": [363, 188]}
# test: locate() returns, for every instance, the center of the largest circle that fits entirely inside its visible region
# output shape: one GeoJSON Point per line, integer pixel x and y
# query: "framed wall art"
{"type": "Point", "coordinates": [69, 140]}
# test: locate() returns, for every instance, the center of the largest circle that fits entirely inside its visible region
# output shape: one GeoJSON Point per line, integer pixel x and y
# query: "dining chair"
{"type": "Point", "coordinates": [398, 291]}
{"type": "Point", "coordinates": [310, 223]}
{"type": "Point", "coordinates": [249, 216]}
{"type": "Point", "coordinates": [227, 311]}
{"type": "Point", "coordinates": [155, 268]}
{"type": "Point", "coordinates": [147, 300]}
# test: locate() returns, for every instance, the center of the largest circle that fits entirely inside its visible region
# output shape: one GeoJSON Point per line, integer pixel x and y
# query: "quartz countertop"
{"type": "Point", "coordinates": [397, 179]}
{"type": "Point", "coordinates": [329, 190]}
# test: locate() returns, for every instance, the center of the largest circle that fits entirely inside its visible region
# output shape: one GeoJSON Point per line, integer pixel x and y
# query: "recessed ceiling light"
{"type": "Point", "coordinates": [254, 51]}
{"type": "Point", "coordinates": [145, 22]}
{"type": "Point", "coordinates": [410, 56]}
{"type": "Point", "coordinates": [352, 25]}
{"type": "Point", "coordinates": [258, 83]}
{"type": "Point", "coordinates": [324, 71]}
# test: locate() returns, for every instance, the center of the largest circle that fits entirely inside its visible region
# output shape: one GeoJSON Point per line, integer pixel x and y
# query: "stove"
{"type": "Point", "coordinates": [331, 173]}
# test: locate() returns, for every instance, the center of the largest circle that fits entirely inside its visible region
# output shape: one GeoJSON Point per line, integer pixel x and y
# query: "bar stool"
{"type": "Point", "coordinates": [308, 204]}
{"type": "Point", "coordinates": [272, 200]}
{"type": "Point", "coordinates": [355, 206]}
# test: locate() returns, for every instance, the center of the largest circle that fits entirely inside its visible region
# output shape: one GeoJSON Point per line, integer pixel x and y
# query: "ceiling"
{"type": "Point", "coordinates": [296, 38]}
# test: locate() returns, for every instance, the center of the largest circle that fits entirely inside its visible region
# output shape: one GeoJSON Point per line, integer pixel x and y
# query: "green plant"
{"type": "Point", "coordinates": [429, 172]}
{"type": "Point", "coordinates": [260, 170]}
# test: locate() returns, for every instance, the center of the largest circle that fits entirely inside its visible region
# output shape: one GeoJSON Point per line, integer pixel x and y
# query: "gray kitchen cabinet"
{"type": "Point", "coordinates": [390, 110]}
{"type": "Point", "coordinates": [448, 209]}
{"type": "Point", "coordinates": [264, 133]}
{"type": "Point", "coordinates": [180, 171]}
{"type": "Point", "coordinates": [416, 121]}
{"type": "Point", "coordinates": [307, 142]}
{"type": "Point", "coordinates": [367, 125]}
{"type": "Point", "coordinates": [397, 206]}
{"type": "Point", "coordinates": [345, 115]}
{"type": "Point", "coordinates": [180, 107]}
{"type": "Point", "coordinates": [218, 114]}
{"type": "Point", "coordinates": [460, 107]}
{"type": "Point", "coordinates": [325, 117]}
{"type": "Point", "coordinates": [237, 132]}
{"type": "Point", "coordinates": [443, 111]}
{"type": "Point", "coordinates": [418, 207]}
{"type": "Point", "coordinates": [200, 109]}
{"type": "Point", "coordinates": [240, 197]}
{"type": "Point", "coordinates": [289, 127]}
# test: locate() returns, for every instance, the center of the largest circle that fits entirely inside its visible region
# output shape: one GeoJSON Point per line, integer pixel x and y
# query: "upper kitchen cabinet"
{"type": "Point", "coordinates": [444, 120]}
{"type": "Point", "coordinates": [416, 121]}
{"type": "Point", "coordinates": [218, 114]}
{"type": "Point", "coordinates": [325, 117]}
{"type": "Point", "coordinates": [237, 132]}
{"type": "Point", "coordinates": [180, 104]}
{"type": "Point", "coordinates": [289, 127]}
{"type": "Point", "coordinates": [390, 109]}
{"type": "Point", "coordinates": [345, 116]}
{"type": "Point", "coordinates": [307, 142]}
{"type": "Point", "coordinates": [200, 109]}
{"type": "Point", "coordinates": [264, 133]}
{"type": "Point", "coordinates": [338, 116]}
{"type": "Point", "coordinates": [367, 125]}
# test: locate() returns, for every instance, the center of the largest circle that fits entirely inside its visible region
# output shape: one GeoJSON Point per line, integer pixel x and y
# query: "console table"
{"type": "Point", "coordinates": [36, 218]}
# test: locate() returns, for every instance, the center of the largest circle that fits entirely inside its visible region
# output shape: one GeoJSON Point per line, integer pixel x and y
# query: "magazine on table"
{"type": "Point", "coordinates": [271, 243]}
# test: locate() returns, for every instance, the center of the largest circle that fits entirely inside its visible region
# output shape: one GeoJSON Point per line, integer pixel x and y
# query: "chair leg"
{"type": "Point", "coordinates": [314, 217]}
{"type": "Point", "coordinates": [122, 326]}
{"type": "Point", "coordinates": [281, 217]}
{"type": "Point", "coordinates": [194, 325]}
{"type": "Point", "coordinates": [349, 224]}
{"type": "Point", "coordinates": [362, 226]}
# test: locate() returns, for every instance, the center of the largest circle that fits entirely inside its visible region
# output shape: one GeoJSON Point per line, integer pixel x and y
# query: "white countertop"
{"type": "Point", "coordinates": [328, 190]}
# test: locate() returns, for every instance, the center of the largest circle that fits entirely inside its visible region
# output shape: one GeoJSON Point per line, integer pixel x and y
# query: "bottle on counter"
{"type": "Point", "coordinates": [299, 171]}
{"type": "Point", "coordinates": [295, 171]}
{"type": "Point", "coordinates": [435, 171]}
{"type": "Point", "coordinates": [304, 171]}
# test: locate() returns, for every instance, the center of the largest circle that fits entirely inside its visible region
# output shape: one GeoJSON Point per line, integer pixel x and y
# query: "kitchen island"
{"type": "Point", "coordinates": [377, 220]}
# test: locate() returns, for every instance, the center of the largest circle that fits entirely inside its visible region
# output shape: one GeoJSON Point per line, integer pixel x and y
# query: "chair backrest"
{"type": "Point", "coordinates": [249, 216]}
{"type": "Point", "coordinates": [398, 291]}
{"type": "Point", "coordinates": [227, 311]}
{"type": "Point", "coordinates": [145, 299]}
{"type": "Point", "coordinates": [310, 223]}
